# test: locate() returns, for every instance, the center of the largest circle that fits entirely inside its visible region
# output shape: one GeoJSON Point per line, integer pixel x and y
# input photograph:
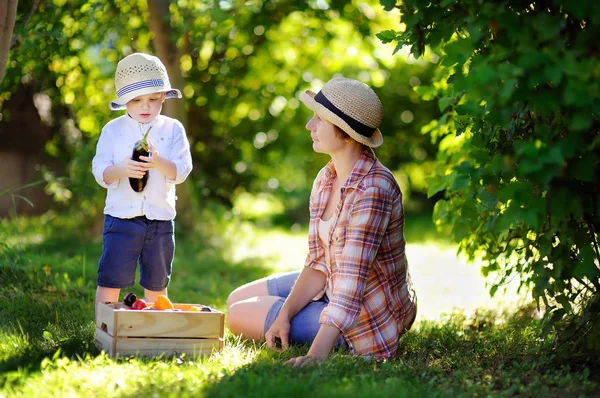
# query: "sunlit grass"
{"type": "Point", "coordinates": [464, 343]}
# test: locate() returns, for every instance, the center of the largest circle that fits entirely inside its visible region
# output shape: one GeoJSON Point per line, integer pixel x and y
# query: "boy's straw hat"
{"type": "Point", "coordinates": [139, 74]}
{"type": "Point", "coordinates": [352, 106]}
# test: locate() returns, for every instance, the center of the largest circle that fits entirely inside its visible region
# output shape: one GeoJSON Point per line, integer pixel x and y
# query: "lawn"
{"type": "Point", "coordinates": [463, 344]}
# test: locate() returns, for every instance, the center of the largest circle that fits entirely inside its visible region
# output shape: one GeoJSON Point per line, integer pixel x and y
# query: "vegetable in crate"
{"type": "Point", "coordinates": [139, 304]}
{"type": "Point", "coordinates": [140, 148]}
{"type": "Point", "coordinates": [129, 299]}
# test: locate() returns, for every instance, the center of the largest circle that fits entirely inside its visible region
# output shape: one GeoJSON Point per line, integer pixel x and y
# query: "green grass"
{"type": "Point", "coordinates": [464, 343]}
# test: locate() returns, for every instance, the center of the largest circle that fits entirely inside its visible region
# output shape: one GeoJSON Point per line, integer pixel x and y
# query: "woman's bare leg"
{"type": "Point", "coordinates": [247, 317]}
{"type": "Point", "coordinates": [249, 290]}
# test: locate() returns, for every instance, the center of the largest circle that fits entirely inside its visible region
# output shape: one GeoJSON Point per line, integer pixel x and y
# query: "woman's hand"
{"type": "Point", "coordinates": [307, 360]}
{"type": "Point", "coordinates": [319, 349]}
{"type": "Point", "coordinates": [280, 329]}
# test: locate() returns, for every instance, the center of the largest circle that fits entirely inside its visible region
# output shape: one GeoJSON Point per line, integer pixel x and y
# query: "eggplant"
{"type": "Point", "coordinates": [140, 148]}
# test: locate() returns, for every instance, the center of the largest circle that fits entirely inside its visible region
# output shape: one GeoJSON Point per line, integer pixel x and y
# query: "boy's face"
{"type": "Point", "coordinates": [145, 108]}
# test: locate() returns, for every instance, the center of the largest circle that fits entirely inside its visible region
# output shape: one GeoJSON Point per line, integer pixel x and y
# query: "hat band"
{"type": "Point", "coordinates": [139, 85]}
{"type": "Point", "coordinates": [357, 126]}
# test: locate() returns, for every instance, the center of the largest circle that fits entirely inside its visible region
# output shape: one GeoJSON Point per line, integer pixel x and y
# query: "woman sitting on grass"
{"type": "Point", "coordinates": [354, 291]}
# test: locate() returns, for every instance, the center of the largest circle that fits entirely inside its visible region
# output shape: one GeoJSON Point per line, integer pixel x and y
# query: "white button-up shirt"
{"type": "Point", "coordinates": [116, 143]}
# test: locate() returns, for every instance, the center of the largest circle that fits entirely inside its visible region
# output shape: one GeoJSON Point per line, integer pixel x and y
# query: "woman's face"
{"type": "Point", "coordinates": [325, 138]}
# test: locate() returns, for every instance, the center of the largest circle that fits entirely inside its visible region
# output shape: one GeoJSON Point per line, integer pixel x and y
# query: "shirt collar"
{"type": "Point", "coordinates": [140, 126]}
{"type": "Point", "coordinates": [360, 169]}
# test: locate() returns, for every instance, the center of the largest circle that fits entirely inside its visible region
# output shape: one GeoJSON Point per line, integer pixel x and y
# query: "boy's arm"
{"type": "Point", "coordinates": [103, 159]}
{"type": "Point", "coordinates": [180, 156]}
{"type": "Point", "coordinates": [164, 165]}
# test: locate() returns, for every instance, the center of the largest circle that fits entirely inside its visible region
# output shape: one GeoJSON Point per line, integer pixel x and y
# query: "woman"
{"type": "Point", "coordinates": [354, 291]}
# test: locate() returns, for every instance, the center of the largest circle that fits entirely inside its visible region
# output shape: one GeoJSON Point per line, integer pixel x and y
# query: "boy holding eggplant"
{"type": "Point", "coordinates": [140, 157]}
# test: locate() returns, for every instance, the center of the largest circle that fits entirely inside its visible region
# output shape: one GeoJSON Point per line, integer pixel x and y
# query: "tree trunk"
{"type": "Point", "coordinates": [8, 15]}
{"type": "Point", "coordinates": [166, 49]}
{"type": "Point", "coordinates": [169, 54]}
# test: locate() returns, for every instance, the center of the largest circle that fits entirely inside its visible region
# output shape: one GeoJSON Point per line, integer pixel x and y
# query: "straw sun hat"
{"type": "Point", "coordinates": [140, 74]}
{"type": "Point", "coordinates": [352, 106]}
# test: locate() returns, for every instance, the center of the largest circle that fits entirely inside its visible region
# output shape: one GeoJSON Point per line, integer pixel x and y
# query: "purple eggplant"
{"type": "Point", "coordinates": [141, 148]}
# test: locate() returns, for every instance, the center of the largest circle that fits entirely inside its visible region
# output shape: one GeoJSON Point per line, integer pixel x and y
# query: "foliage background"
{"type": "Point", "coordinates": [519, 92]}
{"type": "Point", "coordinates": [242, 66]}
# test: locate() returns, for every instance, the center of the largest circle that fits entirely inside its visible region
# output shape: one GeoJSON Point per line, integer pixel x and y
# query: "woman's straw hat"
{"type": "Point", "coordinates": [352, 106]}
{"type": "Point", "coordinates": [139, 74]}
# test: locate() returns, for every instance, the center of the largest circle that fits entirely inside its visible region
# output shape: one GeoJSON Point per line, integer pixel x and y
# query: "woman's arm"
{"type": "Point", "coordinates": [320, 348]}
{"type": "Point", "coordinates": [310, 283]}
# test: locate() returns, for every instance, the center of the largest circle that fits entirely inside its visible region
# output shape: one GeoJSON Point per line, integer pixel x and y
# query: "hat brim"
{"type": "Point", "coordinates": [121, 102]}
{"type": "Point", "coordinates": [308, 97]}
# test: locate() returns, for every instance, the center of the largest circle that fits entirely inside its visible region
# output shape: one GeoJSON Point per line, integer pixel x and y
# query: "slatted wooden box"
{"type": "Point", "coordinates": [121, 331]}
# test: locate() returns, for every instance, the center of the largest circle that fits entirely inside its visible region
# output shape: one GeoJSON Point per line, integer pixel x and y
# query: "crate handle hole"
{"type": "Point", "coordinates": [103, 327]}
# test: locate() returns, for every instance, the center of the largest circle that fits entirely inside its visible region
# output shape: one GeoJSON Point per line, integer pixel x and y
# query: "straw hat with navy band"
{"type": "Point", "coordinates": [140, 74]}
{"type": "Point", "coordinates": [352, 106]}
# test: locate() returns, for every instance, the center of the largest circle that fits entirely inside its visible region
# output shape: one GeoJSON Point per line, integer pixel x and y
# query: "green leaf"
{"type": "Point", "coordinates": [493, 290]}
{"type": "Point", "coordinates": [440, 210]}
{"type": "Point", "coordinates": [554, 74]}
{"type": "Point", "coordinates": [584, 168]}
{"type": "Point", "coordinates": [388, 5]}
{"type": "Point", "coordinates": [587, 267]}
{"type": "Point", "coordinates": [387, 36]}
{"type": "Point", "coordinates": [576, 93]}
{"type": "Point", "coordinates": [444, 102]}
{"type": "Point", "coordinates": [460, 229]}
{"type": "Point", "coordinates": [460, 182]}
{"type": "Point", "coordinates": [397, 48]}
{"type": "Point", "coordinates": [438, 185]}
{"type": "Point", "coordinates": [581, 121]}
{"type": "Point", "coordinates": [508, 87]}
{"type": "Point", "coordinates": [576, 8]}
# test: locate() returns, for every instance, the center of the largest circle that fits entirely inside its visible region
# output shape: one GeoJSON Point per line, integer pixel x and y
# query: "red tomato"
{"type": "Point", "coordinates": [139, 304]}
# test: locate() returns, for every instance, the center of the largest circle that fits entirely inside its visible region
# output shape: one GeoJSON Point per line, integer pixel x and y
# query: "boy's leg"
{"type": "Point", "coordinates": [106, 294]}
{"type": "Point", "coordinates": [157, 258]}
{"type": "Point", "coordinates": [151, 295]}
{"type": "Point", "coordinates": [122, 241]}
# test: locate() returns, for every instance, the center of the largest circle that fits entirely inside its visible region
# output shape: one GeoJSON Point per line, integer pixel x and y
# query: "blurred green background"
{"type": "Point", "coordinates": [241, 67]}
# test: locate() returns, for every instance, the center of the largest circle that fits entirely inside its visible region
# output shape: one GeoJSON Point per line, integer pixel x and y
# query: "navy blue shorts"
{"type": "Point", "coordinates": [305, 325]}
{"type": "Point", "coordinates": [129, 241]}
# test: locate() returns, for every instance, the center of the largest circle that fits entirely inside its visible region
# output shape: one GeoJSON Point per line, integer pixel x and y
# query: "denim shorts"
{"type": "Point", "coordinates": [129, 241]}
{"type": "Point", "coordinates": [305, 324]}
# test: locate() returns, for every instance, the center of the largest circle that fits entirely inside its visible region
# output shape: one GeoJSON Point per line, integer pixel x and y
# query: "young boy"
{"type": "Point", "coordinates": [138, 226]}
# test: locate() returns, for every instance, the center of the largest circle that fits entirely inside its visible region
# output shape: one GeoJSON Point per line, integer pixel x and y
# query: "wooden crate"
{"type": "Point", "coordinates": [121, 331]}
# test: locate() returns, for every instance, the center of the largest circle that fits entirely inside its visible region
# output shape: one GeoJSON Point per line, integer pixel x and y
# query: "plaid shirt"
{"type": "Point", "coordinates": [368, 283]}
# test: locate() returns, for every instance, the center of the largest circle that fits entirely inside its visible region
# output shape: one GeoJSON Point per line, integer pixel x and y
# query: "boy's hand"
{"type": "Point", "coordinates": [131, 168]}
{"type": "Point", "coordinates": [153, 159]}
{"type": "Point", "coordinates": [164, 165]}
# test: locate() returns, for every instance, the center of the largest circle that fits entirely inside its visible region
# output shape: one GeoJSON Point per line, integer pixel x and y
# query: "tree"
{"type": "Point", "coordinates": [240, 66]}
{"type": "Point", "coordinates": [519, 158]}
{"type": "Point", "coordinates": [8, 14]}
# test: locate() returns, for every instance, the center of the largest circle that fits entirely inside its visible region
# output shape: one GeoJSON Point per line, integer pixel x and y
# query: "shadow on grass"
{"type": "Point", "coordinates": [462, 357]}
{"type": "Point", "coordinates": [47, 295]}
{"type": "Point", "coordinates": [339, 377]}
